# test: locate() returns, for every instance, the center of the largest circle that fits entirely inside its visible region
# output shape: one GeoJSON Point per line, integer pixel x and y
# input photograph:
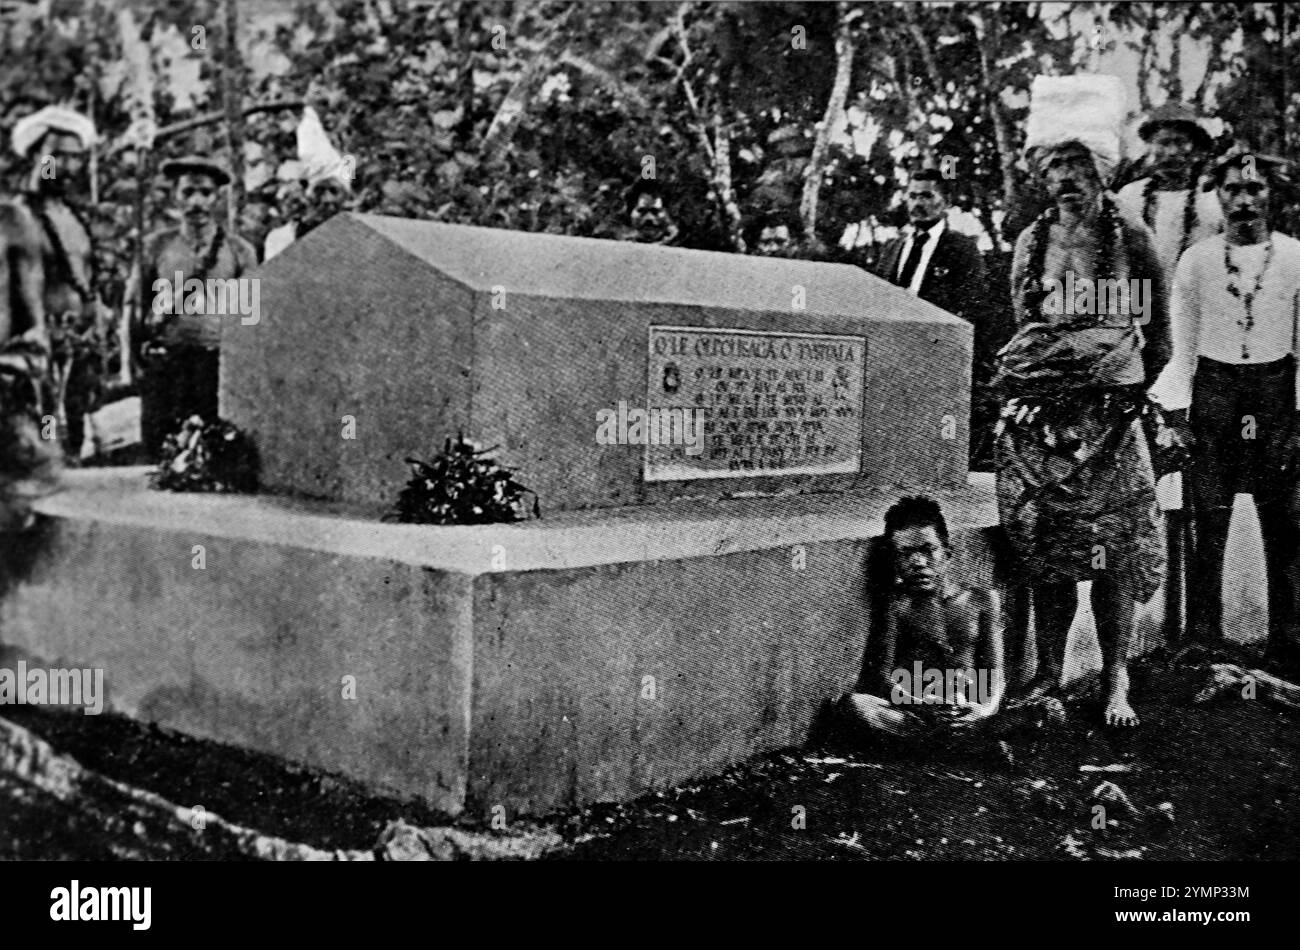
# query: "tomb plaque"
{"type": "Point", "coordinates": [739, 403]}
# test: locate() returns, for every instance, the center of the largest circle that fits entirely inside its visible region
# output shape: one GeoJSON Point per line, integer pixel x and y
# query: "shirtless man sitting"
{"type": "Point", "coordinates": [940, 669]}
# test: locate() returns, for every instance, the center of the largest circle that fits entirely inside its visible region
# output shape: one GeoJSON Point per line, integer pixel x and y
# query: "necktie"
{"type": "Point", "coordinates": [913, 258]}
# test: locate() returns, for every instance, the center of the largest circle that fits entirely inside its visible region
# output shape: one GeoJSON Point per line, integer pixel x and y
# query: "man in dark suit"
{"type": "Point", "coordinates": [946, 269]}
{"type": "Point", "coordinates": [932, 260]}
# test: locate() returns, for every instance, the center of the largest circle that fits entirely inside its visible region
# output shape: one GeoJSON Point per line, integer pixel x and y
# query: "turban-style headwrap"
{"type": "Point", "coordinates": [1104, 164]}
{"type": "Point", "coordinates": [320, 160]}
{"type": "Point", "coordinates": [31, 129]}
{"type": "Point", "coordinates": [1077, 111]}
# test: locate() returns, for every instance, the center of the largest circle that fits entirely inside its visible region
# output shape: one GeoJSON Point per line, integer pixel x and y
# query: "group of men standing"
{"type": "Point", "coordinates": [1202, 376]}
{"type": "Point", "coordinates": [50, 314]}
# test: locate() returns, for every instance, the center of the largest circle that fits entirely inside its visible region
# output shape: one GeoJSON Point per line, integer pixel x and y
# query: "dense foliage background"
{"type": "Point", "coordinates": [537, 115]}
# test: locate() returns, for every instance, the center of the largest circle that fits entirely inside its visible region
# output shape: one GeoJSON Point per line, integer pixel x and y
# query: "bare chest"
{"type": "Point", "coordinates": [63, 226]}
{"type": "Point", "coordinates": [1072, 252]}
{"type": "Point", "coordinates": [932, 624]}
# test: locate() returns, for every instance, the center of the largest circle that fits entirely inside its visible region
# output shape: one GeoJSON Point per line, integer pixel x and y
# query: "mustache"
{"type": "Point", "coordinates": [1243, 214]}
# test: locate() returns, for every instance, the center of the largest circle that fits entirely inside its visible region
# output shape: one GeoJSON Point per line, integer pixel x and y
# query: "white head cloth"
{"type": "Point", "coordinates": [1088, 109]}
{"type": "Point", "coordinates": [31, 129]}
{"type": "Point", "coordinates": [321, 161]}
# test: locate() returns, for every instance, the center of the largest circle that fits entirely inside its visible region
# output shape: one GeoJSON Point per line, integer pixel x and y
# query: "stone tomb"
{"type": "Point", "coordinates": [809, 376]}
{"type": "Point", "coordinates": [674, 612]}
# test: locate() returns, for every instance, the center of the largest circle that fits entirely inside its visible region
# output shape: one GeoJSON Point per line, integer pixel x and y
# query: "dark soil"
{"type": "Point", "coordinates": [1230, 769]}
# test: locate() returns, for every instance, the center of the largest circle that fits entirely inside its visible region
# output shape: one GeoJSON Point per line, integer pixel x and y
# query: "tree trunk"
{"type": "Point", "coordinates": [465, 70]}
{"type": "Point", "coordinates": [1213, 63]}
{"type": "Point", "coordinates": [989, 38]}
{"type": "Point", "coordinates": [1146, 52]}
{"type": "Point", "coordinates": [530, 80]}
{"type": "Point", "coordinates": [722, 187]}
{"type": "Point", "coordinates": [816, 168]}
{"type": "Point", "coordinates": [903, 80]}
{"type": "Point", "coordinates": [1283, 91]}
{"type": "Point", "coordinates": [232, 100]}
{"type": "Point", "coordinates": [1174, 79]}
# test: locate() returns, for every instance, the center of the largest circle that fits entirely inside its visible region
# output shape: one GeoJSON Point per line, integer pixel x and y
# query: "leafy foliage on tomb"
{"type": "Point", "coordinates": [460, 486]}
{"type": "Point", "coordinates": [207, 457]}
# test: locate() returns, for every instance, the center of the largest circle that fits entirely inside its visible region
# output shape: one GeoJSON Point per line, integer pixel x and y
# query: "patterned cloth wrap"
{"type": "Point", "coordinates": [1076, 491]}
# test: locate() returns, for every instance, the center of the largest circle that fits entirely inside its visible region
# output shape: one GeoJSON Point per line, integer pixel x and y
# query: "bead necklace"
{"type": "Point", "coordinates": [1111, 239]}
{"type": "Point", "coordinates": [1189, 207]}
{"type": "Point", "coordinates": [1247, 300]}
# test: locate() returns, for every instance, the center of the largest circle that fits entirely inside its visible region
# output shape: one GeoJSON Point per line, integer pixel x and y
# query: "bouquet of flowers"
{"type": "Point", "coordinates": [207, 456]}
{"type": "Point", "coordinates": [460, 486]}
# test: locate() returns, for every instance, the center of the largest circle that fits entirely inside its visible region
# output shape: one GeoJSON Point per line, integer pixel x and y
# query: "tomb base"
{"type": "Point", "coordinates": [593, 656]}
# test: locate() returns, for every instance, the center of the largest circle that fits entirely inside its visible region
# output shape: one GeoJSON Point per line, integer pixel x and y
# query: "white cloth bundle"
{"type": "Point", "coordinates": [320, 159]}
{"type": "Point", "coordinates": [1088, 108]}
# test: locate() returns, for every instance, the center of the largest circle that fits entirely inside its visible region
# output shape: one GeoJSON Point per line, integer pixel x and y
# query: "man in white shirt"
{"type": "Point", "coordinates": [1231, 388]}
{"type": "Point", "coordinates": [1172, 203]}
{"type": "Point", "coordinates": [1170, 200]}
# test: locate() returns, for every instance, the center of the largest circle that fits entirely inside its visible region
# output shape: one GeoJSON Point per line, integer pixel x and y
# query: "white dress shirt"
{"type": "Point", "coordinates": [1206, 320]}
{"type": "Point", "coordinates": [926, 253]}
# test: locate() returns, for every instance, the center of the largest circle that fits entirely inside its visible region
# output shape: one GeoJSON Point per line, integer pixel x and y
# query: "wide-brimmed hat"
{"type": "Point", "coordinates": [196, 165]}
{"type": "Point", "coordinates": [1175, 115]}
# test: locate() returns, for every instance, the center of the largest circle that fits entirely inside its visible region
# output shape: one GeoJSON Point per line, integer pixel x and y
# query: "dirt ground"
{"type": "Point", "coordinates": [1212, 781]}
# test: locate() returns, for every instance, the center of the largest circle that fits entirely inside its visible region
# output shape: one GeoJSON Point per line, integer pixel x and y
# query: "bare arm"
{"type": "Point", "coordinates": [1019, 267]}
{"type": "Point", "coordinates": [1173, 389]}
{"type": "Point", "coordinates": [888, 649]}
{"type": "Point", "coordinates": [22, 279]}
{"type": "Point", "coordinates": [1144, 264]}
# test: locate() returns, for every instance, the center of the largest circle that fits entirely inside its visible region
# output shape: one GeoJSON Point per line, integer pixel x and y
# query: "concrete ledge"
{"type": "Point", "coordinates": [675, 530]}
{"type": "Point", "coordinates": [606, 655]}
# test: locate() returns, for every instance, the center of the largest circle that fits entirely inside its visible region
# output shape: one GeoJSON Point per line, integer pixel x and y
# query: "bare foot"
{"type": "Point", "coordinates": [1118, 712]}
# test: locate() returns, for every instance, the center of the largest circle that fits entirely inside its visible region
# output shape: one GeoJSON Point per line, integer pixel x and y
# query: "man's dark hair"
{"type": "Point", "coordinates": [642, 186]}
{"type": "Point", "coordinates": [916, 512]}
{"type": "Point", "coordinates": [775, 219]}
{"type": "Point", "coordinates": [1263, 168]}
{"type": "Point", "coordinates": [934, 177]}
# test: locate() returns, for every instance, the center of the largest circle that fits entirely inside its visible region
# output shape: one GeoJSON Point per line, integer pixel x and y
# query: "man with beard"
{"type": "Point", "coordinates": [1231, 388]}
{"type": "Point", "coordinates": [48, 232]}
{"type": "Point", "coordinates": [182, 347]}
{"type": "Point", "coordinates": [320, 199]}
{"type": "Point", "coordinates": [649, 219]}
{"type": "Point", "coordinates": [318, 184]}
{"type": "Point", "coordinates": [1171, 200]}
{"type": "Point", "coordinates": [45, 278]}
{"type": "Point", "coordinates": [1076, 491]}
{"type": "Point", "coordinates": [1180, 213]}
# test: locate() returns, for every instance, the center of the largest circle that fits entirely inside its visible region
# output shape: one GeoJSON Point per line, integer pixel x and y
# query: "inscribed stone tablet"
{"type": "Point", "coordinates": [767, 403]}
